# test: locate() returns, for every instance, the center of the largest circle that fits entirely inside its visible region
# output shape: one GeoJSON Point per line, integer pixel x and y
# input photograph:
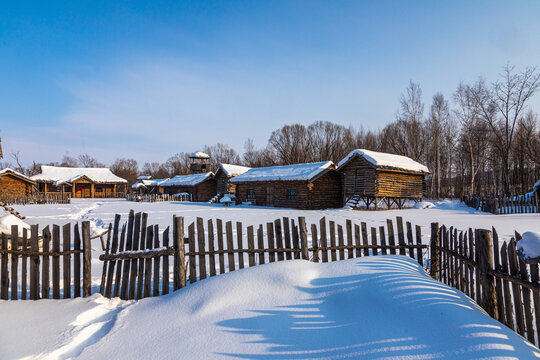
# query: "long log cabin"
{"type": "Point", "coordinates": [300, 186]}
{"type": "Point", "coordinates": [201, 187]}
{"type": "Point", "coordinates": [224, 174]}
{"type": "Point", "coordinates": [375, 179]}
{"type": "Point", "coordinates": [80, 182]}
{"type": "Point", "coordinates": [13, 183]}
{"type": "Point", "coordinates": [145, 185]}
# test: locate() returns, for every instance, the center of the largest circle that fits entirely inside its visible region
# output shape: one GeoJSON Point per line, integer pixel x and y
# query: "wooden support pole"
{"type": "Point", "coordinates": [303, 237]}
{"type": "Point", "coordinates": [484, 246]}
{"type": "Point", "coordinates": [179, 253]}
{"type": "Point", "coordinates": [87, 259]}
{"type": "Point", "coordinates": [435, 252]}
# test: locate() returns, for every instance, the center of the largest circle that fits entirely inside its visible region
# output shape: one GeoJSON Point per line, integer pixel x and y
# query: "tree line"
{"type": "Point", "coordinates": [484, 139]}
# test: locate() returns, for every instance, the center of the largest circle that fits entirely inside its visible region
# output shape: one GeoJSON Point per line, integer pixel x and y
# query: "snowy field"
{"type": "Point", "coordinates": [383, 307]}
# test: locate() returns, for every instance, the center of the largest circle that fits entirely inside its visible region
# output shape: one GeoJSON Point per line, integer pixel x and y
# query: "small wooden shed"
{"type": "Point", "coordinates": [224, 174]}
{"type": "Point", "coordinates": [376, 178]}
{"type": "Point", "coordinates": [202, 187]}
{"type": "Point", "coordinates": [300, 186]}
{"type": "Point", "coordinates": [13, 183]}
{"type": "Point", "coordinates": [80, 182]}
{"type": "Point", "coordinates": [147, 185]}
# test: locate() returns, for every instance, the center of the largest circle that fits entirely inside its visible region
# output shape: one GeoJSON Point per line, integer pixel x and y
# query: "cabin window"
{"type": "Point", "coordinates": [291, 194]}
{"type": "Point", "coordinates": [251, 194]}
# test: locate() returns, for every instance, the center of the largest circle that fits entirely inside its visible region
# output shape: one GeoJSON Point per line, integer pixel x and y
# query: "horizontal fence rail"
{"type": "Point", "coordinates": [522, 204]}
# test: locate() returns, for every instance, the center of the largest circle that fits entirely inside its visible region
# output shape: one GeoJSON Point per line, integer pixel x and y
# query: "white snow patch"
{"type": "Point", "coordinates": [297, 172]}
{"type": "Point", "coordinates": [9, 220]}
{"type": "Point", "coordinates": [386, 160]}
{"type": "Point", "coordinates": [529, 246]}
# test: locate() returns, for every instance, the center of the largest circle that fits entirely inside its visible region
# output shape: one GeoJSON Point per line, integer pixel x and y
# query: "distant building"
{"type": "Point", "coordinates": [224, 174]}
{"type": "Point", "coordinates": [300, 186]}
{"type": "Point", "coordinates": [201, 187]}
{"type": "Point", "coordinates": [200, 162]}
{"type": "Point", "coordinates": [147, 185]}
{"type": "Point", "coordinates": [80, 182]}
{"type": "Point", "coordinates": [13, 183]}
{"type": "Point", "coordinates": [381, 179]}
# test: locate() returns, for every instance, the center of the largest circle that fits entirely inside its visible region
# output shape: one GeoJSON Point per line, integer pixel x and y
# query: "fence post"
{"type": "Point", "coordinates": [87, 259]}
{"type": "Point", "coordinates": [435, 252]}
{"type": "Point", "coordinates": [303, 238]}
{"type": "Point", "coordinates": [179, 253]}
{"type": "Point", "coordinates": [486, 262]}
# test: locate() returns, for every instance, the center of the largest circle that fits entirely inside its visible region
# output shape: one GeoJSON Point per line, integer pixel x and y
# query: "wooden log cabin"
{"type": "Point", "coordinates": [15, 184]}
{"type": "Point", "coordinates": [145, 185]}
{"type": "Point", "coordinates": [224, 174]}
{"type": "Point", "coordinates": [378, 179]}
{"type": "Point", "coordinates": [80, 182]}
{"type": "Point", "coordinates": [201, 187]}
{"type": "Point", "coordinates": [300, 186]}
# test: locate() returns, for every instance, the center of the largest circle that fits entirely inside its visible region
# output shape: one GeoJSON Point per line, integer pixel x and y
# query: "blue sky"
{"type": "Point", "coordinates": [149, 79]}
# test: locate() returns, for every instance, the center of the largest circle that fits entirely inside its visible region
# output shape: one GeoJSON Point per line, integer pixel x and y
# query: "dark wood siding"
{"type": "Point", "coordinates": [358, 178]}
{"type": "Point", "coordinates": [200, 193]}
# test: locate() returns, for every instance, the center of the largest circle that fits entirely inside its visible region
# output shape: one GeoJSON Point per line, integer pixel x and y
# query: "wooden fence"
{"type": "Point", "coordinates": [36, 198]}
{"type": "Point", "coordinates": [522, 204]}
{"type": "Point", "coordinates": [158, 197]}
{"type": "Point", "coordinates": [472, 262]}
{"type": "Point", "coordinates": [36, 276]}
{"type": "Point", "coordinates": [136, 262]}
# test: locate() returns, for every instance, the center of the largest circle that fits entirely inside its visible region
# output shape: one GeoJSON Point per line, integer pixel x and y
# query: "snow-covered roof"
{"type": "Point", "coordinates": [187, 180]}
{"type": "Point", "coordinates": [536, 186]}
{"type": "Point", "coordinates": [147, 183]}
{"type": "Point", "coordinates": [144, 177]}
{"type": "Point", "coordinates": [199, 155]}
{"type": "Point", "coordinates": [297, 172]}
{"type": "Point", "coordinates": [15, 173]}
{"type": "Point", "coordinates": [385, 160]}
{"type": "Point", "coordinates": [232, 170]}
{"type": "Point", "coordinates": [63, 175]}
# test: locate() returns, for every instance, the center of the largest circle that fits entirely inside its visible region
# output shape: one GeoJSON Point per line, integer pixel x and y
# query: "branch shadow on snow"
{"type": "Point", "coordinates": [394, 311]}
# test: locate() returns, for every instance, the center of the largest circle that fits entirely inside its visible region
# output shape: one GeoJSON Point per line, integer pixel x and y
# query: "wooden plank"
{"type": "Point", "coordinates": [24, 265]}
{"type": "Point", "coordinates": [4, 281]}
{"type": "Point", "coordinates": [202, 248]}
{"type": "Point", "coordinates": [374, 251]}
{"type": "Point", "coordinates": [435, 243]}
{"type": "Point", "coordinates": [287, 232]}
{"type": "Point", "coordinates": [230, 245]}
{"type": "Point", "coordinates": [240, 241]}
{"type": "Point", "coordinates": [270, 238]}
{"type": "Point", "coordinates": [147, 290]}
{"type": "Point", "coordinates": [66, 238]}
{"type": "Point", "coordinates": [401, 235]}
{"type": "Point", "coordinates": [350, 250]}
{"type": "Point", "coordinates": [77, 262]}
{"type": "Point", "coordinates": [324, 241]}
{"type": "Point", "coordinates": [461, 265]}
{"type": "Point", "coordinates": [365, 240]}
{"type": "Point", "coordinates": [295, 239]}
{"type": "Point", "coordinates": [536, 299]}
{"type": "Point", "coordinates": [165, 270]}
{"type": "Point", "coordinates": [192, 257]}
{"type": "Point", "coordinates": [518, 304]}
{"type": "Point", "coordinates": [472, 277]}
{"type": "Point", "coordinates": [333, 253]}
{"type": "Point", "coordinates": [303, 237]}
{"type": "Point", "coordinates": [14, 262]}
{"type": "Point", "coordinates": [114, 247]}
{"type": "Point", "coordinates": [498, 281]}
{"type": "Point", "coordinates": [382, 236]}
{"type": "Point", "coordinates": [314, 243]}
{"type": "Point", "coordinates": [526, 293]}
{"type": "Point", "coordinates": [56, 262]}
{"type": "Point", "coordinates": [142, 246]}
{"type": "Point", "coordinates": [157, 263]}
{"type": "Point", "coordinates": [211, 248]}
{"type": "Point", "coordinates": [341, 243]}
{"type": "Point", "coordinates": [118, 276]}
{"type": "Point", "coordinates": [419, 256]}
{"type": "Point", "coordinates": [127, 264]}
{"type": "Point", "coordinates": [466, 266]}
{"type": "Point", "coordinates": [134, 262]}
{"type": "Point", "coordinates": [251, 246]}
{"type": "Point", "coordinates": [87, 259]}
{"type": "Point", "coordinates": [45, 283]}
{"type": "Point", "coordinates": [260, 242]}
{"type": "Point", "coordinates": [410, 239]}
{"type": "Point", "coordinates": [279, 240]}
{"type": "Point", "coordinates": [455, 261]}
{"type": "Point", "coordinates": [508, 305]}
{"type": "Point", "coordinates": [34, 263]}
{"type": "Point", "coordinates": [179, 254]}
{"type": "Point", "coordinates": [221, 256]}
{"type": "Point", "coordinates": [485, 264]}
{"type": "Point", "coordinates": [391, 238]}
{"type": "Point", "coordinates": [357, 240]}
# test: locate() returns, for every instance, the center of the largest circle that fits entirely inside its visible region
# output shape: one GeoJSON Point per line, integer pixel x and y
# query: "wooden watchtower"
{"type": "Point", "coordinates": [200, 162]}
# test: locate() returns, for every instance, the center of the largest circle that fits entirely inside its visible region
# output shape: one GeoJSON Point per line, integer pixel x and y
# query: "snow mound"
{"type": "Point", "coordinates": [7, 221]}
{"type": "Point", "coordinates": [380, 159]}
{"type": "Point", "coordinates": [372, 307]}
{"type": "Point", "coordinates": [529, 246]}
{"type": "Point", "coordinates": [424, 205]}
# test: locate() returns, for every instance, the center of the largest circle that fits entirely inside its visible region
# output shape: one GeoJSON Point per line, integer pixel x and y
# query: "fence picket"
{"type": "Point", "coordinates": [34, 263]}
{"type": "Point", "coordinates": [114, 246]}
{"type": "Point", "coordinates": [240, 242]}
{"type": "Point", "coordinates": [127, 263]}
{"type": "Point", "coordinates": [382, 236]}
{"type": "Point", "coordinates": [14, 261]}
{"type": "Point", "coordinates": [4, 281]}
{"type": "Point", "coordinates": [348, 227]}
{"type": "Point", "coordinates": [77, 262]}
{"type": "Point", "coordinates": [324, 242]}
{"type": "Point", "coordinates": [118, 275]}
{"type": "Point", "coordinates": [260, 243]}
{"type": "Point", "coordinates": [391, 238]}
{"type": "Point", "coordinates": [201, 248]}
{"type": "Point", "coordinates": [135, 246]}
{"type": "Point", "coordinates": [365, 238]}
{"type": "Point", "coordinates": [518, 304]}
{"type": "Point", "coordinates": [270, 238]}
{"type": "Point", "coordinates": [221, 256]}
{"type": "Point", "coordinates": [157, 263]}
{"type": "Point", "coordinates": [287, 232]}
{"type": "Point", "coordinates": [251, 246]}
{"type": "Point", "coordinates": [341, 243]}
{"type": "Point", "coordinates": [333, 253]}
{"type": "Point", "coordinates": [279, 240]}
{"type": "Point", "coordinates": [230, 245]}
{"type": "Point", "coordinates": [142, 246]}
{"type": "Point", "coordinates": [66, 238]}
{"type": "Point", "coordinates": [401, 235]}
{"type": "Point", "coordinates": [211, 250]}
{"type": "Point", "coordinates": [147, 291]}
{"type": "Point", "coordinates": [24, 266]}
{"type": "Point", "coordinates": [192, 258]}
{"type": "Point", "coordinates": [165, 271]}
{"type": "Point", "coordinates": [410, 241]}
{"type": "Point", "coordinates": [56, 262]}
{"type": "Point", "coordinates": [375, 250]}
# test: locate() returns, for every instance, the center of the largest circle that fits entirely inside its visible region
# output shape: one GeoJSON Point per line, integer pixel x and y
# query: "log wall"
{"type": "Point", "coordinates": [11, 185]}
{"type": "Point", "coordinates": [202, 192]}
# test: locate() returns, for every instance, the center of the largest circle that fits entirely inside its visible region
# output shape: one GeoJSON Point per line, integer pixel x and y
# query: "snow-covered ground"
{"type": "Point", "coordinates": [375, 307]}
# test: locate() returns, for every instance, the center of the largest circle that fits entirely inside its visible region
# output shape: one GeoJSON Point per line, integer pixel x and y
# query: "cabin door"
{"type": "Point", "coordinates": [269, 196]}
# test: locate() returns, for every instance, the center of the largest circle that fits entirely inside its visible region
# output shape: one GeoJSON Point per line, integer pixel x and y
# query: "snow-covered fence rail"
{"type": "Point", "coordinates": [522, 204]}
{"type": "Point", "coordinates": [35, 251]}
{"type": "Point", "coordinates": [36, 198]}
{"type": "Point", "coordinates": [500, 281]}
{"type": "Point", "coordinates": [158, 197]}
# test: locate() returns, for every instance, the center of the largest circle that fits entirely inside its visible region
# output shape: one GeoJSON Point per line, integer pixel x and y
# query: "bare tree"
{"type": "Point", "coordinates": [69, 161]}
{"type": "Point", "coordinates": [126, 169]}
{"type": "Point", "coordinates": [221, 153]}
{"type": "Point", "coordinates": [89, 162]}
